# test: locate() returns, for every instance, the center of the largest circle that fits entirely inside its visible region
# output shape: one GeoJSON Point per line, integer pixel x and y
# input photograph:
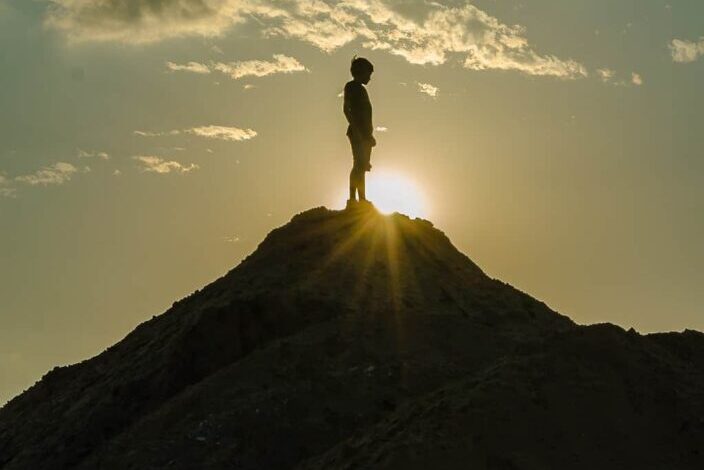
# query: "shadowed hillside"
{"type": "Point", "coordinates": [349, 339]}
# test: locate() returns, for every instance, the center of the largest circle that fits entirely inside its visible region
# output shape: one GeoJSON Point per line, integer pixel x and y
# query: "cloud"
{"type": "Point", "coordinates": [101, 155]}
{"type": "Point", "coordinates": [684, 51]}
{"type": "Point", "coordinates": [260, 68]}
{"type": "Point", "coordinates": [247, 68]}
{"type": "Point", "coordinates": [231, 134]}
{"type": "Point", "coordinates": [6, 189]}
{"type": "Point", "coordinates": [154, 164]}
{"type": "Point", "coordinates": [58, 173]}
{"type": "Point", "coordinates": [482, 41]}
{"type": "Point", "coordinates": [428, 89]}
{"type": "Point", "coordinates": [156, 134]}
{"type": "Point", "coordinates": [381, 128]}
{"type": "Point", "coordinates": [636, 79]}
{"type": "Point", "coordinates": [142, 21]}
{"type": "Point", "coordinates": [605, 74]}
{"type": "Point", "coordinates": [195, 67]}
{"type": "Point", "coordinates": [479, 40]}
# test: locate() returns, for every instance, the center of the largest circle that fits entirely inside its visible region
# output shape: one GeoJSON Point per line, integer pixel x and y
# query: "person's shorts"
{"type": "Point", "coordinates": [361, 154]}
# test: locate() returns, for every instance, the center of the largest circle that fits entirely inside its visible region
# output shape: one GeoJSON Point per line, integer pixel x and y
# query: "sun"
{"type": "Point", "coordinates": [391, 191]}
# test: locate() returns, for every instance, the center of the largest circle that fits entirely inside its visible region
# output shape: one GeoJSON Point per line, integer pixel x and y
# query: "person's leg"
{"type": "Point", "coordinates": [357, 169]}
{"type": "Point", "coordinates": [365, 153]}
{"type": "Point", "coordinates": [361, 186]}
{"type": "Point", "coordinates": [353, 183]}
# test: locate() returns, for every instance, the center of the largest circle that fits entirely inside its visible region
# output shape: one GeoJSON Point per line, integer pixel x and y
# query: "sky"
{"type": "Point", "coordinates": [147, 146]}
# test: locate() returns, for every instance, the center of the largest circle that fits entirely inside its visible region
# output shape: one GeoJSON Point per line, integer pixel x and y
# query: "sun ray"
{"type": "Point", "coordinates": [365, 222]}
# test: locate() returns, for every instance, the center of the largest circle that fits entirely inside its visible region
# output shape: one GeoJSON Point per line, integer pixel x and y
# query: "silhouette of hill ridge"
{"type": "Point", "coordinates": [349, 339]}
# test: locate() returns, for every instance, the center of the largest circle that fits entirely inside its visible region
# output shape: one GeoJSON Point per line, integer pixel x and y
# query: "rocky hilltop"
{"type": "Point", "coordinates": [350, 339]}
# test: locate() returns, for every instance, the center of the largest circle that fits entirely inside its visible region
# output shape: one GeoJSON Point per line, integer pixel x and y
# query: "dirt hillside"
{"type": "Point", "coordinates": [349, 339]}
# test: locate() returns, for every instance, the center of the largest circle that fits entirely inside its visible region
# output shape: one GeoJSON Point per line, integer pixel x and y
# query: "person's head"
{"type": "Point", "coordinates": [361, 69]}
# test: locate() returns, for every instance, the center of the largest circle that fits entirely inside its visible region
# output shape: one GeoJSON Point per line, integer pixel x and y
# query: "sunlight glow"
{"type": "Point", "coordinates": [391, 191]}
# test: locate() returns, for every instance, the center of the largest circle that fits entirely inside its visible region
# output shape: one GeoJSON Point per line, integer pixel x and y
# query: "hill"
{"type": "Point", "coordinates": [349, 339]}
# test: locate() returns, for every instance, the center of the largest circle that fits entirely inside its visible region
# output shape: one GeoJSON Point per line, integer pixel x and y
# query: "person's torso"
{"type": "Point", "coordinates": [360, 104]}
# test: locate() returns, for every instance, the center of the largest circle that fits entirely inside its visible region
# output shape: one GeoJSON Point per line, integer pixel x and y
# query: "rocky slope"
{"type": "Point", "coordinates": [354, 340]}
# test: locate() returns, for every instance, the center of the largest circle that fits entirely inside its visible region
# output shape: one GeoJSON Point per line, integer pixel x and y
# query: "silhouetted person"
{"type": "Point", "coordinates": [358, 111]}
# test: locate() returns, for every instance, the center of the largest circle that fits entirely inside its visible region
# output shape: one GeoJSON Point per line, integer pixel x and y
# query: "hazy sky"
{"type": "Point", "coordinates": [146, 146]}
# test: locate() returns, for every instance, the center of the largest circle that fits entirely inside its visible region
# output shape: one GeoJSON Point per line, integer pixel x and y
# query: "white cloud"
{"type": "Point", "coordinates": [483, 40]}
{"type": "Point", "coordinates": [428, 89]}
{"type": "Point", "coordinates": [260, 68]}
{"type": "Point", "coordinates": [156, 134]}
{"type": "Point", "coordinates": [480, 40]}
{"type": "Point", "coordinates": [101, 155]}
{"type": "Point", "coordinates": [224, 133]}
{"type": "Point", "coordinates": [58, 173]}
{"type": "Point", "coordinates": [142, 21]}
{"type": "Point", "coordinates": [154, 164]}
{"type": "Point", "coordinates": [231, 134]}
{"type": "Point", "coordinates": [246, 68]}
{"type": "Point", "coordinates": [195, 67]}
{"type": "Point", "coordinates": [684, 51]}
{"type": "Point", "coordinates": [6, 188]}
{"type": "Point", "coordinates": [605, 74]}
{"type": "Point", "coordinates": [636, 79]}
{"type": "Point", "coordinates": [7, 192]}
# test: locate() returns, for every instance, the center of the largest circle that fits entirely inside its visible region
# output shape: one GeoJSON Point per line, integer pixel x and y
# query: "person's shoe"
{"type": "Point", "coordinates": [352, 204]}
{"type": "Point", "coordinates": [365, 204]}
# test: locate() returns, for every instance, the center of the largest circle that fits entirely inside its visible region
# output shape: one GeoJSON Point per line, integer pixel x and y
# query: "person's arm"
{"type": "Point", "coordinates": [347, 105]}
{"type": "Point", "coordinates": [354, 107]}
{"type": "Point", "coordinates": [368, 119]}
